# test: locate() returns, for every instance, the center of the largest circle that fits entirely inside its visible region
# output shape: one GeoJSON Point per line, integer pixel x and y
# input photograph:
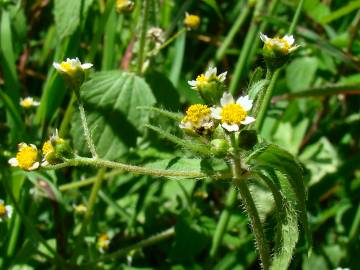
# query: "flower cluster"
{"type": "Point", "coordinates": [53, 151]}
{"type": "Point", "coordinates": [28, 102]}
{"type": "Point", "coordinates": [103, 242]}
{"type": "Point", "coordinates": [230, 114]}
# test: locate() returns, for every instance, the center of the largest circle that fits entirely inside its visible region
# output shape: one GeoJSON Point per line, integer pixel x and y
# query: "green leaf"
{"type": "Point", "coordinates": [300, 73]}
{"type": "Point", "coordinates": [214, 6]}
{"type": "Point", "coordinates": [288, 233]}
{"type": "Point", "coordinates": [350, 7]}
{"type": "Point", "coordinates": [67, 16]}
{"type": "Point", "coordinates": [273, 157]}
{"type": "Point", "coordinates": [111, 99]}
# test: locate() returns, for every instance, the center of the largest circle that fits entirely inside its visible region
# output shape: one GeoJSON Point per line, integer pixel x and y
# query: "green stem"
{"type": "Point", "coordinates": [265, 99]}
{"type": "Point", "coordinates": [92, 200]}
{"type": "Point", "coordinates": [64, 126]}
{"type": "Point", "coordinates": [241, 184]}
{"type": "Point", "coordinates": [223, 222]}
{"type": "Point", "coordinates": [85, 124]}
{"type": "Point", "coordinates": [144, 243]}
{"type": "Point", "coordinates": [248, 43]}
{"type": "Point", "coordinates": [101, 163]}
{"type": "Point", "coordinates": [296, 17]}
{"type": "Point", "coordinates": [143, 36]}
{"type": "Point", "coordinates": [355, 226]}
{"type": "Point", "coordinates": [167, 42]}
{"type": "Point", "coordinates": [244, 12]}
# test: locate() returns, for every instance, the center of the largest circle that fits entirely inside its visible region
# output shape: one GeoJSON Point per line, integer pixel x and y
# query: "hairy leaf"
{"type": "Point", "coordinates": [111, 99]}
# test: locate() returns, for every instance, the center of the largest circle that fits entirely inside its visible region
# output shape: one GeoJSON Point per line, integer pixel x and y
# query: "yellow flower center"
{"type": "Point", "coordinates": [47, 148]}
{"type": "Point", "coordinates": [2, 210]}
{"type": "Point", "coordinates": [277, 42]}
{"type": "Point", "coordinates": [26, 157]}
{"type": "Point", "coordinates": [27, 103]}
{"type": "Point", "coordinates": [192, 21]}
{"type": "Point", "coordinates": [68, 68]}
{"type": "Point", "coordinates": [233, 114]}
{"type": "Point", "coordinates": [201, 79]}
{"type": "Point", "coordinates": [103, 241]}
{"type": "Point", "coordinates": [196, 113]}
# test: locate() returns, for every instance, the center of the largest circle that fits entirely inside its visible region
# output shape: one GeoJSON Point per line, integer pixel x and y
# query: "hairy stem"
{"type": "Point", "coordinates": [64, 126]}
{"type": "Point", "coordinates": [85, 124]}
{"type": "Point", "coordinates": [101, 163]}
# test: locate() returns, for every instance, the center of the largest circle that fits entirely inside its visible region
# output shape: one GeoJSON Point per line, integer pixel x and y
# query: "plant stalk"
{"type": "Point", "coordinates": [142, 43]}
{"type": "Point", "coordinates": [85, 124]}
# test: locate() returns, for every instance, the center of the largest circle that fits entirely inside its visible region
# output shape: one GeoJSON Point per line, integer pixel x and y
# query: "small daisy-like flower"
{"type": "Point", "coordinates": [28, 102]}
{"type": "Point", "coordinates": [191, 21]}
{"type": "Point", "coordinates": [233, 114]}
{"type": "Point", "coordinates": [198, 119]}
{"type": "Point", "coordinates": [209, 76]}
{"type": "Point", "coordinates": [80, 209]}
{"type": "Point", "coordinates": [284, 44]}
{"type": "Point", "coordinates": [103, 242]}
{"type": "Point", "coordinates": [54, 149]}
{"type": "Point", "coordinates": [5, 211]}
{"type": "Point", "coordinates": [27, 157]}
{"type": "Point", "coordinates": [71, 66]}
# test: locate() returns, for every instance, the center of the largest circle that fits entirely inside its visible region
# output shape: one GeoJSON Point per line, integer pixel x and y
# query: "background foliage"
{"type": "Point", "coordinates": [314, 115]}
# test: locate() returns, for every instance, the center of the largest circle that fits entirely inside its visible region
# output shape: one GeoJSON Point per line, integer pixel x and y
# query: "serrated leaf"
{"type": "Point", "coordinates": [111, 99]}
{"type": "Point", "coordinates": [67, 16]}
{"type": "Point", "coordinates": [287, 222]}
{"type": "Point", "coordinates": [300, 73]}
{"type": "Point", "coordinates": [273, 157]}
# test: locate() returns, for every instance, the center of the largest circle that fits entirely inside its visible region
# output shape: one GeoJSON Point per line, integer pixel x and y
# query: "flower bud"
{"type": "Point", "coordinates": [55, 150]}
{"type": "Point", "coordinates": [219, 147]}
{"type": "Point", "coordinates": [277, 50]}
{"type": "Point", "coordinates": [124, 6]}
{"type": "Point", "coordinates": [72, 71]}
{"type": "Point", "coordinates": [210, 85]}
{"type": "Point", "coordinates": [191, 21]}
{"type": "Point", "coordinates": [247, 139]}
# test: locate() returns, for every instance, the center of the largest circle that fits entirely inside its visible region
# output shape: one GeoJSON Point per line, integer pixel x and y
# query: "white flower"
{"type": "Point", "coordinates": [26, 158]}
{"type": "Point", "coordinates": [233, 114]}
{"type": "Point", "coordinates": [70, 66]}
{"type": "Point", "coordinates": [28, 102]}
{"type": "Point", "coordinates": [6, 211]}
{"type": "Point", "coordinates": [284, 44]}
{"type": "Point", "coordinates": [210, 75]}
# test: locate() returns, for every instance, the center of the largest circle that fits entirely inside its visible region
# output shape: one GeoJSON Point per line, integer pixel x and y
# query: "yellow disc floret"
{"type": "Point", "coordinates": [67, 67]}
{"type": "Point", "coordinates": [201, 80]}
{"type": "Point", "coordinates": [2, 210]}
{"type": "Point", "coordinates": [233, 114]}
{"type": "Point", "coordinates": [26, 157]}
{"type": "Point", "coordinates": [279, 43]}
{"type": "Point", "coordinates": [27, 103]}
{"type": "Point", "coordinates": [196, 113]}
{"type": "Point", "coordinates": [47, 148]}
{"type": "Point", "coordinates": [191, 21]}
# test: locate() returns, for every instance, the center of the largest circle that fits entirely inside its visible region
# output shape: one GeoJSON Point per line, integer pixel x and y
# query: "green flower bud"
{"type": "Point", "coordinates": [219, 147]}
{"type": "Point", "coordinates": [55, 150]}
{"type": "Point", "coordinates": [210, 85]}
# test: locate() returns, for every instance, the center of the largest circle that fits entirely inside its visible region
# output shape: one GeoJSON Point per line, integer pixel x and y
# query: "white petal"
{"type": "Point", "coordinates": [263, 37]}
{"type": "Point", "coordinates": [245, 102]}
{"type": "Point", "coordinates": [293, 48]}
{"type": "Point", "coordinates": [248, 120]}
{"type": "Point", "coordinates": [86, 65]}
{"type": "Point", "coordinates": [34, 166]}
{"type": "Point", "coordinates": [192, 83]}
{"type": "Point", "coordinates": [290, 39]}
{"type": "Point", "coordinates": [216, 112]}
{"type": "Point", "coordinates": [227, 98]}
{"type": "Point", "coordinates": [211, 71]}
{"type": "Point", "coordinates": [33, 146]}
{"type": "Point", "coordinates": [56, 66]}
{"type": "Point", "coordinates": [44, 163]}
{"type": "Point", "coordinates": [222, 76]}
{"type": "Point", "coordinates": [230, 128]}
{"type": "Point", "coordinates": [36, 103]}
{"type": "Point", "coordinates": [185, 125]}
{"type": "Point", "coordinates": [13, 162]}
{"type": "Point", "coordinates": [9, 210]}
